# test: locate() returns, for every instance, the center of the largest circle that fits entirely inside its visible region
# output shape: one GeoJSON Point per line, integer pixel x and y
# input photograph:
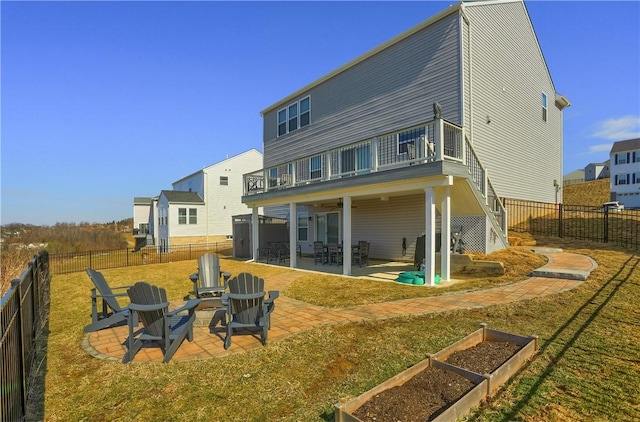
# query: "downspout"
{"type": "Point", "coordinates": [470, 117]}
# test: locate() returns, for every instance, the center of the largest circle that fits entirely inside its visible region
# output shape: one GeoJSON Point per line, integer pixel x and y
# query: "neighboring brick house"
{"type": "Point", "coordinates": [625, 172]}
{"type": "Point", "coordinates": [422, 135]}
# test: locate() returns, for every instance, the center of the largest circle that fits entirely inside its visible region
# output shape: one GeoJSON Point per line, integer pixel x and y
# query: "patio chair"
{"type": "Point", "coordinates": [159, 325]}
{"type": "Point", "coordinates": [319, 253]}
{"type": "Point", "coordinates": [207, 281]}
{"type": "Point", "coordinates": [335, 254]}
{"type": "Point", "coordinates": [360, 255]}
{"type": "Point", "coordinates": [247, 308]}
{"type": "Point", "coordinates": [109, 313]}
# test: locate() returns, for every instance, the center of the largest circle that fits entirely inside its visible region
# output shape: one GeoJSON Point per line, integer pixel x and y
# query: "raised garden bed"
{"type": "Point", "coordinates": [446, 385]}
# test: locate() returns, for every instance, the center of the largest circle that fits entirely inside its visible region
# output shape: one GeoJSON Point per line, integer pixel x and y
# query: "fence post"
{"type": "Point", "coordinates": [15, 284]}
{"type": "Point", "coordinates": [560, 222]}
{"type": "Point", "coordinates": [606, 225]}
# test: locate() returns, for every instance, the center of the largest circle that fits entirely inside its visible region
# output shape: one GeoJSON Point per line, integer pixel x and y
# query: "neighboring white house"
{"type": "Point", "coordinates": [625, 172]}
{"type": "Point", "coordinates": [199, 207]}
{"type": "Point", "coordinates": [422, 135]}
{"type": "Point", "coordinates": [595, 171]}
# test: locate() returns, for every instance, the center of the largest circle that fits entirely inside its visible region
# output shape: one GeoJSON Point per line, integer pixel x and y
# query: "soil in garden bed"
{"type": "Point", "coordinates": [433, 390]}
{"type": "Point", "coordinates": [484, 357]}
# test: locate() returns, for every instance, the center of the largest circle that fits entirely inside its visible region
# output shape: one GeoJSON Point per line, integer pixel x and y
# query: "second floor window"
{"type": "Point", "coordinates": [224, 180]}
{"type": "Point", "coordinates": [294, 116]}
{"type": "Point", "coordinates": [182, 216]}
{"type": "Point", "coordinates": [544, 107]}
{"type": "Point", "coordinates": [193, 216]}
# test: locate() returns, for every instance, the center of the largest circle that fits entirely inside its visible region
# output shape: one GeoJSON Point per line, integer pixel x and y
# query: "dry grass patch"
{"type": "Point", "coordinates": [336, 291]}
{"type": "Point", "coordinates": [586, 369]}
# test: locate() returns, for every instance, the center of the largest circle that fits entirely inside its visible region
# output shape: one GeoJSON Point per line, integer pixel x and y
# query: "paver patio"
{"type": "Point", "coordinates": [564, 271]}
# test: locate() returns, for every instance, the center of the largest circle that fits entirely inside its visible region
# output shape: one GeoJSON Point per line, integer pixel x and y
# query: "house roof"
{"type": "Point", "coordinates": [184, 197]}
{"type": "Point", "coordinates": [628, 145]}
{"type": "Point", "coordinates": [142, 200]}
{"type": "Point", "coordinates": [560, 100]}
{"type": "Point", "coordinates": [252, 150]}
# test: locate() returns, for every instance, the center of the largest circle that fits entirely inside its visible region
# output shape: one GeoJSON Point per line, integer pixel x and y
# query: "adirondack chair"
{"type": "Point", "coordinates": [107, 313]}
{"type": "Point", "coordinates": [247, 307]}
{"type": "Point", "coordinates": [207, 281]}
{"type": "Point", "coordinates": [167, 328]}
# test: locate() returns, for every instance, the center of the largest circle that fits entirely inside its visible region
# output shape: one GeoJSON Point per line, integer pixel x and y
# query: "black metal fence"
{"type": "Point", "coordinates": [579, 222]}
{"type": "Point", "coordinates": [23, 313]}
{"type": "Point", "coordinates": [63, 263]}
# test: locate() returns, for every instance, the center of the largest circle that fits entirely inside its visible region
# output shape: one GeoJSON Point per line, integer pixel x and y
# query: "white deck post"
{"type": "Point", "coordinates": [346, 236]}
{"type": "Point", "coordinates": [445, 230]}
{"type": "Point", "coordinates": [439, 139]}
{"type": "Point", "coordinates": [255, 233]}
{"type": "Point", "coordinates": [293, 234]}
{"type": "Point", "coordinates": [374, 154]}
{"type": "Point", "coordinates": [429, 238]}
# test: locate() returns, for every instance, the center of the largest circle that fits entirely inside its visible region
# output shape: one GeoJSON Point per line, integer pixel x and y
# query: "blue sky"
{"type": "Point", "coordinates": [104, 101]}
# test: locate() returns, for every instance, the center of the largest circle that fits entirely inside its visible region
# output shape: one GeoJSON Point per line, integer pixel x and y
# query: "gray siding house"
{"type": "Point", "coordinates": [423, 135]}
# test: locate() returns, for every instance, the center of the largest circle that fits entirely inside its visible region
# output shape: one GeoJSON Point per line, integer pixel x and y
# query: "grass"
{"type": "Point", "coordinates": [586, 369]}
{"type": "Point", "coordinates": [314, 289]}
{"type": "Point", "coordinates": [594, 193]}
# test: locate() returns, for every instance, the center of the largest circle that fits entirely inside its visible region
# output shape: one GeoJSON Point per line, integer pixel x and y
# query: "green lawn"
{"type": "Point", "coordinates": [587, 368]}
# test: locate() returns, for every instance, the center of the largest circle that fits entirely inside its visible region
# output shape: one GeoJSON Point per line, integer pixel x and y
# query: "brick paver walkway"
{"type": "Point", "coordinates": [291, 316]}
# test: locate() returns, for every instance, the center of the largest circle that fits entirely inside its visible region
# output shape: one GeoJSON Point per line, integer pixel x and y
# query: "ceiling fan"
{"type": "Point", "coordinates": [340, 205]}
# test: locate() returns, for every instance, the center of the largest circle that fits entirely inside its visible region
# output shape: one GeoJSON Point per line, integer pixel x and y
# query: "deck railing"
{"type": "Point", "coordinates": [432, 141]}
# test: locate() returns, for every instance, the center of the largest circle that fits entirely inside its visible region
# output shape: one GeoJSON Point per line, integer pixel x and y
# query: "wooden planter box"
{"type": "Point", "coordinates": [485, 384]}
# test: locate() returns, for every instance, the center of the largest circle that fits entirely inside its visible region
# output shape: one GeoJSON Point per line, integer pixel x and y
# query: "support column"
{"type": "Point", "coordinates": [445, 230]}
{"type": "Point", "coordinates": [255, 233]}
{"type": "Point", "coordinates": [346, 235]}
{"type": "Point", "coordinates": [293, 234]}
{"type": "Point", "coordinates": [430, 236]}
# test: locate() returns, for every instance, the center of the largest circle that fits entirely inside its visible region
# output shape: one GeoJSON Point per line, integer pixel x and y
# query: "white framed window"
{"type": "Point", "coordinates": [294, 116]}
{"type": "Point", "coordinates": [182, 216]}
{"type": "Point", "coordinates": [544, 107]}
{"type": "Point", "coordinates": [282, 122]}
{"type": "Point", "coordinates": [303, 226]}
{"type": "Point", "coordinates": [224, 180]}
{"type": "Point", "coordinates": [315, 164]}
{"type": "Point", "coordinates": [193, 216]}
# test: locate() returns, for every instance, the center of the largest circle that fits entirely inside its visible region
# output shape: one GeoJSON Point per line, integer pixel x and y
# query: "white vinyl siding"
{"type": "Point", "coordinates": [522, 153]}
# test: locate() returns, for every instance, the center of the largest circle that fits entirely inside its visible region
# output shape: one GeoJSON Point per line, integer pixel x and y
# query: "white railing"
{"type": "Point", "coordinates": [432, 141]}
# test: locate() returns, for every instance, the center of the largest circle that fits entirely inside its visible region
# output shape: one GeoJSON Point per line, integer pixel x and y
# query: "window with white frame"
{"type": "Point", "coordinates": [294, 116]}
{"type": "Point", "coordinates": [303, 226]}
{"type": "Point", "coordinates": [182, 216]}
{"type": "Point", "coordinates": [544, 107]}
{"type": "Point", "coordinates": [224, 180]}
{"type": "Point", "coordinates": [315, 164]}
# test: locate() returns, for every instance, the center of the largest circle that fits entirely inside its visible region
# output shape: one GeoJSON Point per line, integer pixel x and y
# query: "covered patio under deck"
{"type": "Point", "coordinates": [428, 188]}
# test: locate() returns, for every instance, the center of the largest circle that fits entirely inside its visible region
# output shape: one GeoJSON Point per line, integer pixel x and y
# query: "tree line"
{"type": "Point", "coordinates": [68, 237]}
